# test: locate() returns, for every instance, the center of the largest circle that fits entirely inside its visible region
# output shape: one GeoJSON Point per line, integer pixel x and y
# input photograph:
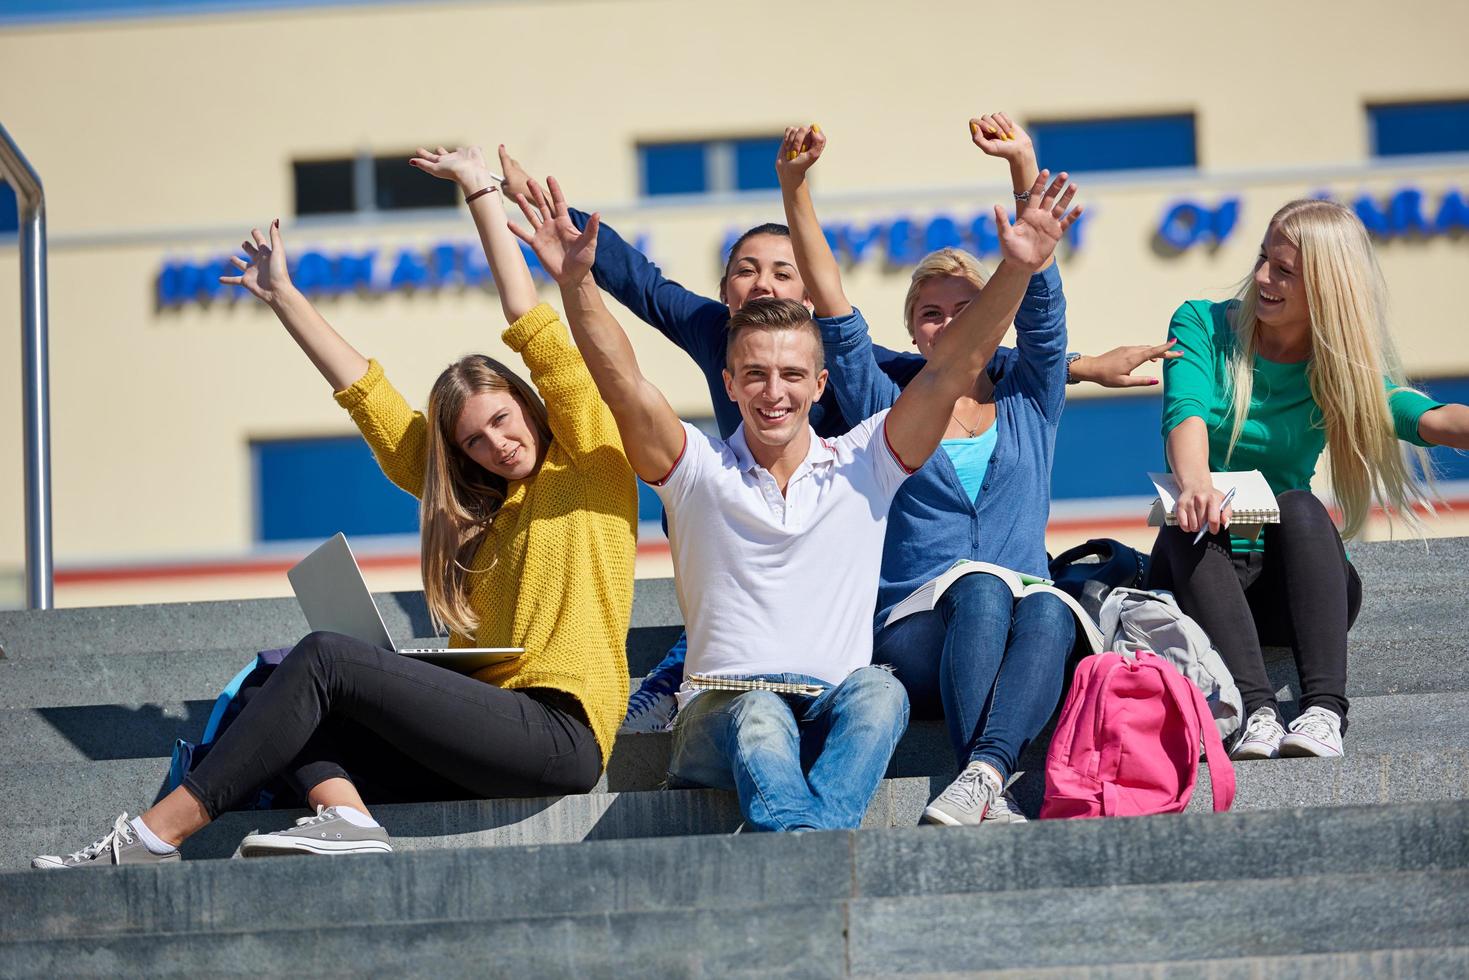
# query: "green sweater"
{"type": "Point", "coordinates": [1283, 435]}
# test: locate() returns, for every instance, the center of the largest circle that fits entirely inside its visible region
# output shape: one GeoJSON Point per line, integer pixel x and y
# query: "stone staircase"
{"type": "Point", "coordinates": [1325, 868]}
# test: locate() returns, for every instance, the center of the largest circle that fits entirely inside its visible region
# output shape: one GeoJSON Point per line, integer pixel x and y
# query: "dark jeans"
{"type": "Point", "coordinates": [1301, 593]}
{"type": "Point", "coordinates": [991, 667]}
{"type": "Point", "coordinates": [400, 729]}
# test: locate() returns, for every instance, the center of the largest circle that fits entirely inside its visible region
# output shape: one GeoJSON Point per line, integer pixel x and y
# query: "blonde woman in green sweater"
{"type": "Point", "coordinates": [1300, 361]}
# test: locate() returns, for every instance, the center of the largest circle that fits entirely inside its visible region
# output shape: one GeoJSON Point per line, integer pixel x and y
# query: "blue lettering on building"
{"type": "Point", "coordinates": [319, 273]}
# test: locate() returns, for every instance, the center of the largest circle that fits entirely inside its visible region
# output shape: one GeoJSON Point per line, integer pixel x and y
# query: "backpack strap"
{"type": "Point", "coordinates": [1221, 771]}
{"type": "Point", "coordinates": [221, 703]}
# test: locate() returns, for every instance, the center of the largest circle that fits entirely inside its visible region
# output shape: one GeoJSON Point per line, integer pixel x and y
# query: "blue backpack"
{"type": "Point", "coordinates": [186, 754]}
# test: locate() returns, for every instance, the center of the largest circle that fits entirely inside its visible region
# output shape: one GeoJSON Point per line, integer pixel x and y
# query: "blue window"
{"type": "Point", "coordinates": [755, 164]}
{"type": "Point", "coordinates": [674, 168]}
{"type": "Point", "coordinates": [9, 209]}
{"type": "Point", "coordinates": [1419, 127]}
{"type": "Point", "coordinates": [708, 167]}
{"type": "Point", "coordinates": [1130, 143]}
{"type": "Point", "coordinates": [313, 488]}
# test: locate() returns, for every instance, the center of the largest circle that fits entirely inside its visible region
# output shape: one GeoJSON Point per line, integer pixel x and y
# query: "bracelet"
{"type": "Point", "coordinates": [1022, 196]}
{"type": "Point", "coordinates": [1071, 359]}
{"type": "Point", "coordinates": [481, 192]}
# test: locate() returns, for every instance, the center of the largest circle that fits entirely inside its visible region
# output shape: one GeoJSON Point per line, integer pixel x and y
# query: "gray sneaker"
{"type": "Point", "coordinates": [1005, 810]}
{"type": "Point", "coordinates": [967, 799]}
{"type": "Point", "coordinates": [120, 846]}
{"type": "Point", "coordinates": [325, 833]}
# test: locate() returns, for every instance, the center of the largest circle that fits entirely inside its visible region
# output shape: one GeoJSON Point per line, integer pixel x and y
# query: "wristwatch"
{"type": "Point", "coordinates": [1071, 359]}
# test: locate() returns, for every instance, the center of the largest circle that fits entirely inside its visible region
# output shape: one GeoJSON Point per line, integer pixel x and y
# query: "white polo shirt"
{"type": "Point", "coordinates": [771, 584]}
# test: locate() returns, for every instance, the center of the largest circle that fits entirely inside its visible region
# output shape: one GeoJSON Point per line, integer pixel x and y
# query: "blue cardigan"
{"type": "Point", "coordinates": [933, 523]}
{"type": "Point", "coordinates": [698, 324]}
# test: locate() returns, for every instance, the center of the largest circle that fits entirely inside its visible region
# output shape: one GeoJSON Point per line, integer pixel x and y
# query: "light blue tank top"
{"type": "Point", "coordinates": [971, 459]}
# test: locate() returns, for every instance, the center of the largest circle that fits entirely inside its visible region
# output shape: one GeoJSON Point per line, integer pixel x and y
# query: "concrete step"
{"type": "Point", "coordinates": [80, 733]}
{"type": "Point", "coordinates": [1128, 924]}
{"type": "Point", "coordinates": [50, 809]}
{"type": "Point", "coordinates": [164, 676]}
{"type": "Point", "coordinates": [1410, 964]}
{"type": "Point", "coordinates": [466, 823]}
{"type": "Point", "coordinates": [874, 902]}
{"type": "Point", "coordinates": [236, 624]}
{"type": "Point", "coordinates": [727, 871]}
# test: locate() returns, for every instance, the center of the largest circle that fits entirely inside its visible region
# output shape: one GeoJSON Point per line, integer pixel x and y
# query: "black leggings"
{"type": "Point", "coordinates": [400, 729]}
{"type": "Point", "coordinates": [1302, 593]}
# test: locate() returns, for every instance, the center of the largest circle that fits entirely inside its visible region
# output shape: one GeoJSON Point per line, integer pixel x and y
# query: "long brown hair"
{"type": "Point", "coordinates": [1352, 352]}
{"type": "Point", "coordinates": [460, 497]}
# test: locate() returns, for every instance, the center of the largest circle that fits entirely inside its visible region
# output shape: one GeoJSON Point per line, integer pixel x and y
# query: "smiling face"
{"type": "Point", "coordinates": [773, 374]}
{"type": "Point", "coordinates": [761, 265]}
{"type": "Point", "coordinates": [494, 431]}
{"type": "Point", "coordinates": [1279, 282]}
{"type": "Point", "coordinates": [939, 300]}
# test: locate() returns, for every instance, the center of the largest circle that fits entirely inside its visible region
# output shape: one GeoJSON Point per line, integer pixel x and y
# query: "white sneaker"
{"type": "Point", "coordinates": [968, 799]}
{"type": "Point", "coordinates": [1317, 732]}
{"type": "Point", "coordinates": [1261, 738]}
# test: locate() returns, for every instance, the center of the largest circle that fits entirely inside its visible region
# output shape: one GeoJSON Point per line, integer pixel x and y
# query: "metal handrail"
{"type": "Point", "coordinates": [35, 368]}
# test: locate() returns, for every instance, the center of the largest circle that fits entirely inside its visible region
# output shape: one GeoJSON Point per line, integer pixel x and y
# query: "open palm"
{"type": "Point", "coordinates": [566, 253]}
{"type": "Point", "coordinates": [266, 275]}
{"type": "Point", "coordinates": [1040, 224]}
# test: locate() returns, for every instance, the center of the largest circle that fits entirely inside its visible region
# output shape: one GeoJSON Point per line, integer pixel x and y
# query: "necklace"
{"type": "Point", "coordinates": [972, 432]}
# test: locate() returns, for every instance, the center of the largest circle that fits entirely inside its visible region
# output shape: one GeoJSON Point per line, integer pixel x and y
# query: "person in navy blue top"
{"type": "Point", "coordinates": [760, 263]}
{"type": "Point", "coordinates": [992, 667]}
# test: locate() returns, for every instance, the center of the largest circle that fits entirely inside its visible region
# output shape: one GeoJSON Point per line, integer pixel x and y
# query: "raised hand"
{"type": "Point", "coordinates": [464, 165]}
{"type": "Point", "coordinates": [517, 181]}
{"type": "Point", "coordinates": [799, 150]}
{"type": "Point", "coordinates": [1114, 368]}
{"type": "Point", "coordinates": [566, 253]}
{"type": "Point", "coordinates": [265, 275]}
{"type": "Point", "coordinates": [999, 136]}
{"type": "Point", "coordinates": [1040, 224]}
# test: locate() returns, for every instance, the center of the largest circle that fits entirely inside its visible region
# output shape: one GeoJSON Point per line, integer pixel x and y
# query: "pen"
{"type": "Point", "coordinates": [1223, 504]}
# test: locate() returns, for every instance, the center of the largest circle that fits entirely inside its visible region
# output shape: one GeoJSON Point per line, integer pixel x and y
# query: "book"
{"type": "Point", "coordinates": [1253, 507]}
{"type": "Point", "coordinates": [927, 595]}
{"type": "Point", "coordinates": [714, 682]}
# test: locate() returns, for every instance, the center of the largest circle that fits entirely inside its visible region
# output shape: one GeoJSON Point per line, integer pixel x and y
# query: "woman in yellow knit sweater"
{"type": "Point", "coordinates": [529, 517]}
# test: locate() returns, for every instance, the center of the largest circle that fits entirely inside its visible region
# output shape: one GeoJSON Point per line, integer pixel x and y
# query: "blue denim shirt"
{"type": "Point", "coordinates": [933, 522]}
{"type": "Point", "coordinates": [698, 325]}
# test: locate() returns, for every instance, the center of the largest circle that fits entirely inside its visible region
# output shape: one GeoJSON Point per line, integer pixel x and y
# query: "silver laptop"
{"type": "Point", "coordinates": [334, 596]}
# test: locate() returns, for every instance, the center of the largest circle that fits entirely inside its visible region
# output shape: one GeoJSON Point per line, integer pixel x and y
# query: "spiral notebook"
{"type": "Point", "coordinates": [713, 682]}
{"type": "Point", "coordinates": [1253, 507]}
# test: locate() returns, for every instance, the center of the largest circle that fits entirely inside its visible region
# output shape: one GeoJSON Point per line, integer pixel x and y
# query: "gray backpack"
{"type": "Point", "coordinates": [1134, 619]}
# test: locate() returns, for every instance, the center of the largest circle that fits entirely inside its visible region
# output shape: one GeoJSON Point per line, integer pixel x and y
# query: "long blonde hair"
{"type": "Point", "coordinates": [938, 265]}
{"type": "Point", "coordinates": [460, 497]}
{"type": "Point", "coordinates": [1351, 353]}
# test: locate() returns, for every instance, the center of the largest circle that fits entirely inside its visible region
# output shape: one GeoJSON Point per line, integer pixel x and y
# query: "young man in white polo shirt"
{"type": "Point", "coordinates": [776, 534]}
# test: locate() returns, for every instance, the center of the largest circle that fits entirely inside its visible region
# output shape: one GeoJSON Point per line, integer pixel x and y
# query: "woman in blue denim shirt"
{"type": "Point", "coordinates": [991, 667]}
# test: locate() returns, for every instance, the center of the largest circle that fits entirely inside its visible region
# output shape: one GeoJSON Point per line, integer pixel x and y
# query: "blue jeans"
{"type": "Point", "coordinates": [797, 762]}
{"type": "Point", "coordinates": [991, 667]}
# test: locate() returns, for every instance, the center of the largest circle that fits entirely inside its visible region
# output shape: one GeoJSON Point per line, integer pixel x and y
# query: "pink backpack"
{"type": "Point", "coordinates": [1128, 740]}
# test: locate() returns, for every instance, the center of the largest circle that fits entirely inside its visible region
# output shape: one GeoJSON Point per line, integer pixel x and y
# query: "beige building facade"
{"type": "Point", "coordinates": [161, 141]}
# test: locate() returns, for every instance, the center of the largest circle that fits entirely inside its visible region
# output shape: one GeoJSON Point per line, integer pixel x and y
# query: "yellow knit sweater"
{"type": "Point", "coordinates": [563, 544]}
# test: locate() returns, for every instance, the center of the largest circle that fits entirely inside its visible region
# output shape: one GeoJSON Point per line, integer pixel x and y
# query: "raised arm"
{"type": "Point", "coordinates": [800, 149]}
{"type": "Point", "coordinates": [652, 435]}
{"type": "Point", "coordinates": [1000, 136]}
{"type": "Point", "coordinates": [918, 420]}
{"type": "Point", "coordinates": [695, 323]}
{"type": "Point", "coordinates": [395, 432]}
{"type": "Point", "coordinates": [466, 167]}
{"type": "Point", "coordinates": [267, 277]}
